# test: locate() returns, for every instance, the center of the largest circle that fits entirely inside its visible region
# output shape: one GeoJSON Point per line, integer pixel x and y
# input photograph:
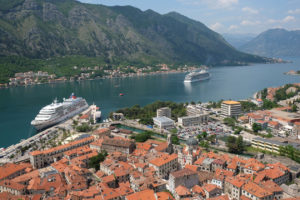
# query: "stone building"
{"type": "Point", "coordinates": [189, 154]}
{"type": "Point", "coordinates": [165, 164]}
{"type": "Point", "coordinates": [40, 159]}
{"type": "Point", "coordinates": [184, 177]}
{"type": "Point", "coordinates": [115, 144]}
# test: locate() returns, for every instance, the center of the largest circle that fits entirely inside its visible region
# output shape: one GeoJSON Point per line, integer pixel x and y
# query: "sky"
{"type": "Point", "coordinates": [225, 16]}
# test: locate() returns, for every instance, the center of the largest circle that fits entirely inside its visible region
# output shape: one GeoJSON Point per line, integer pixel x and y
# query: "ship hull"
{"type": "Point", "coordinates": [196, 80]}
{"type": "Point", "coordinates": [46, 124]}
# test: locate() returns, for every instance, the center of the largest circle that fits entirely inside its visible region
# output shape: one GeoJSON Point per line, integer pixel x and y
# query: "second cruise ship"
{"type": "Point", "coordinates": [57, 112]}
{"type": "Point", "coordinates": [197, 76]}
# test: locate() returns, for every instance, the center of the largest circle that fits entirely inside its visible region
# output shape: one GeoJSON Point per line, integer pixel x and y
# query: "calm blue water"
{"type": "Point", "coordinates": [18, 106]}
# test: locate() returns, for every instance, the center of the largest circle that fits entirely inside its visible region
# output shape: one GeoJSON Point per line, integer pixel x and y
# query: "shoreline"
{"type": "Point", "coordinates": [132, 75]}
{"type": "Point", "coordinates": [98, 78]}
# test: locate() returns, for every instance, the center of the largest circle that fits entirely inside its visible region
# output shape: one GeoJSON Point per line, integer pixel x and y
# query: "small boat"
{"type": "Point", "coordinates": [121, 94]}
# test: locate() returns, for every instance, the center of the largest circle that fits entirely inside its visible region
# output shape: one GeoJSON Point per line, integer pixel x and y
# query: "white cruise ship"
{"type": "Point", "coordinates": [57, 112]}
{"type": "Point", "coordinates": [197, 76]}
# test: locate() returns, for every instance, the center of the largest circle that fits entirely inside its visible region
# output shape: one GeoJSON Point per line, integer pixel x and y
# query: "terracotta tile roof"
{"type": "Point", "coordinates": [256, 190]}
{"type": "Point", "coordinates": [84, 117]}
{"type": "Point", "coordinates": [142, 195]}
{"type": "Point", "coordinates": [154, 142]}
{"type": "Point", "coordinates": [254, 165]}
{"type": "Point", "coordinates": [271, 186]}
{"type": "Point", "coordinates": [272, 173]}
{"type": "Point", "coordinates": [100, 174]}
{"type": "Point", "coordinates": [223, 172]}
{"type": "Point", "coordinates": [199, 161]}
{"type": "Point", "coordinates": [260, 177]}
{"type": "Point", "coordinates": [192, 167]}
{"type": "Point", "coordinates": [47, 183]}
{"type": "Point", "coordinates": [117, 141]}
{"type": "Point", "coordinates": [219, 162]}
{"type": "Point", "coordinates": [183, 172]}
{"type": "Point", "coordinates": [182, 191]}
{"type": "Point", "coordinates": [164, 159]}
{"type": "Point", "coordinates": [222, 197]}
{"type": "Point", "coordinates": [125, 189]}
{"type": "Point", "coordinates": [88, 193]}
{"type": "Point", "coordinates": [164, 196]}
{"type": "Point", "coordinates": [232, 165]}
{"type": "Point", "coordinates": [101, 130]}
{"type": "Point", "coordinates": [109, 194]}
{"type": "Point", "coordinates": [11, 184]}
{"type": "Point", "coordinates": [78, 151]}
{"type": "Point", "coordinates": [209, 187]}
{"type": "Point", "coordinates": [26, 177]}
{"type": "Point", "coordinates": [198, 190]}
{"type": "Point", "coordinates": [243, 197]}
{"type": "Point", "coordinates": [279, 166]}
{"type": "Point", "coordinates": [205, 176]}
{"type": "Point", "coordinates": [143, 145]}
{"type": "Point", "coordinates": [10, 168]}
{"type": "Point", "coordinates": [237, 182]}
{"type": "Point", "coordinates": [273, 123]}
{"type": "Point", "coordinates": [62, 147]}
{"type": "Point", "coordinates": [9, 196]}
{"type": "Point", "coordinates": [109, 178]}
{"type": "Point", "coordinates": [162, 147]}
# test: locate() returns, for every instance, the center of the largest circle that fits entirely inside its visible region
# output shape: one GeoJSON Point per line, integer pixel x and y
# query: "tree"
{"type": "Point", "coordinates": [199, 137]}
{"type": "Point", "coordinates": [229, 121]}
{"type": "Point", "coordinates": [238, 130]}
{"type": "Point", "coordinates": [84, 128]}
{"type": "Point", "coordinates": [235, 145]}
{"type": "Point", "coordinates": [95, 161]}
{"type": "Point", "coordinates": [174, 130]}
{"type": "Point", "coordinates": [142, 137]}
{"type": "Point", "coordinates": [204, 134]}
{"type": "Point", "coordinates": [240, 144]}
{"type": "Point", "coordinates": [175, 139]}
{"type": "Point", "coordinates": [204, 144]}
{"type": "Point", "coordinates": [211, 138]}
{"type": "Point", "coordinates": [294, 108]}
{"type": "Point", "coordinates": [267, 104]}
{"type": "Point", "coordinates": [256, 127]}
{"type": "Point", "coordinates": [248, 106]}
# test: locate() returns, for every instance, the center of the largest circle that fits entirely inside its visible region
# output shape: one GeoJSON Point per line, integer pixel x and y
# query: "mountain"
{"type": "Point", "coordinates": [238, 40]}
{"type": "Point", "coordinates": [275, 43]}
{"type": "Point", "coordinates": [55, 28]}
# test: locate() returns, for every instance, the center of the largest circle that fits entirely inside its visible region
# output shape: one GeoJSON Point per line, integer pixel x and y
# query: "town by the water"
{"type": "Point", "coordinates": [246, 149]}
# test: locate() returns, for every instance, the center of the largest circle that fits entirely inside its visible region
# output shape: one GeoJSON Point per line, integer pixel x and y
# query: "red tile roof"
{"type": "Point", "coordinates": [182, 191]}
{"type": "Point", "coordinates": [164, 159]}
{"type": "Point", "coordinates": [142, 195]}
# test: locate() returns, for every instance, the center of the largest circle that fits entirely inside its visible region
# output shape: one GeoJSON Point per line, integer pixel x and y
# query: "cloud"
{"type": "Point", "coordinates": [216, 26]}
{"type": "Point", "coordinates": [215, 4]}
{"type": "Point", "coordinates": [226, 3]}
{"type": "Point", "coordinates": [250, 10]}
{"type": "Point", "coordinates": [284, 20]}
{"type": "Point", "coordinates": [296, 11]}
{"type": "Point", "coordinates": [288, 18]}
{"type": "Point", "coordinates": [232, 27]}
{"type": "Point", "coordinates": [249, 23]}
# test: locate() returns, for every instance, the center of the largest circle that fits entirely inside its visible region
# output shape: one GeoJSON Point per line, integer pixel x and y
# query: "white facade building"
{"type": "Point", "coordinates": [163, 122]}
{"type": "Point", "coordinates": [195, 120]}
{"type": "Point", "coordinates": [166, 111]}
{"type": "Point", "coordinates": [231, 108]}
